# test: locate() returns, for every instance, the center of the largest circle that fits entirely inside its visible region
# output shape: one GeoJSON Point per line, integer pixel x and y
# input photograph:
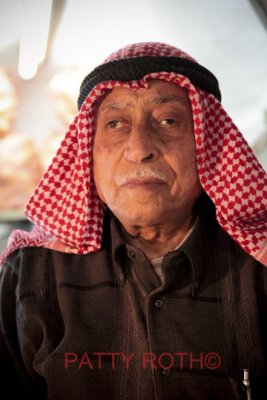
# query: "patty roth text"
{"type": "Point", "coordinates": [165, 360]}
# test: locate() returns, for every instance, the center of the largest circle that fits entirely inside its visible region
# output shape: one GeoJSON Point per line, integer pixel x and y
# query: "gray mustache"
{"type": "Point", "coordinates": [142, 174]}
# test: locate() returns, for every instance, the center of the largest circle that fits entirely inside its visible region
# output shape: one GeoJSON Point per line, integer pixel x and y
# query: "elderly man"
{"type": "Point", "coordinates": [144, 277]}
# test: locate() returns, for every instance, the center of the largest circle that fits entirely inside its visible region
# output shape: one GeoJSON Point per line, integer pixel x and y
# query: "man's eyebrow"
{"type": "Point", "coordinates": [172, 98]}
{"type": "Point", "coordinates": [162, 99]}
{"type": "Point", "coordinates": [115, 106]}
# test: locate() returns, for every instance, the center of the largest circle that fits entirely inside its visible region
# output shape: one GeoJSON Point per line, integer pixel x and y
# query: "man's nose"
{"type": "Point", "coordinates": [141, 145]}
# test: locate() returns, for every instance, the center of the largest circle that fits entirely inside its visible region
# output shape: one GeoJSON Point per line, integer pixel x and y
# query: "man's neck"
{"type": "Point", "coordinates": [157, 240]}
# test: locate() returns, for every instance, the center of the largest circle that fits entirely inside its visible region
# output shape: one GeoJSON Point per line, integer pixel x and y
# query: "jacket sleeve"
{"type": "Point", "coordinates": [14, 379]}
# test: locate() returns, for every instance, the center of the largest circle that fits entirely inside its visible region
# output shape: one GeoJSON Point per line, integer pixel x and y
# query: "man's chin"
{"type": "Point", "coordinates": [144, 217]}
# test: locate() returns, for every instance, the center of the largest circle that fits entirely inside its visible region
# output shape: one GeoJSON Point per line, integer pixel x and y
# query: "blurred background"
{"type": "Point", "coordinates": [48, 46]}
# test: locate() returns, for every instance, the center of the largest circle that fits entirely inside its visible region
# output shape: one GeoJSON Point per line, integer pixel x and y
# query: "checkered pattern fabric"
{"type": "Point", "coordinates": [153, 49]}
{"type": "Point", "coordinates": [68, 213]}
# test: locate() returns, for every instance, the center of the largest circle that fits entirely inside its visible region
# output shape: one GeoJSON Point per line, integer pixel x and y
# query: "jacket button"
{"type": "Point", "coordinates": [158, 303]}
{"type": "Point", "coordinates": [132, 254]}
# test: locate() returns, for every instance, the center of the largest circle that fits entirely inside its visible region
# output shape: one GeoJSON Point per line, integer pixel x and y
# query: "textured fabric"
{"type": "Point", "coordinates": [66, 208]}
{"type": "Point", "coordinates": [136, 68]}
{"type": "Point", "coordinates": [68, 307]}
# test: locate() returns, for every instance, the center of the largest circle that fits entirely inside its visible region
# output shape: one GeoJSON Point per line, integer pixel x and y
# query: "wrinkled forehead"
{"type": "Point", "coordinates": [155, 92]}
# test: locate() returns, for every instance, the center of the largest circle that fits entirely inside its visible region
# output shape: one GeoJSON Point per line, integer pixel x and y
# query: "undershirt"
{"type": "Point", "coordinates": [157, 262]}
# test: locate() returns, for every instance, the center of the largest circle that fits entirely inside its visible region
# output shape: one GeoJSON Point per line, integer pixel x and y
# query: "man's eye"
{"type": "Point", "coordinates": [113, 124]}
{"type": "Point", "coordinates": [167, 122]}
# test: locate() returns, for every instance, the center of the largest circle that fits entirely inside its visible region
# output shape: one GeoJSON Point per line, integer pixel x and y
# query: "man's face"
{"type": "Point", "coordinates": [144, 154]}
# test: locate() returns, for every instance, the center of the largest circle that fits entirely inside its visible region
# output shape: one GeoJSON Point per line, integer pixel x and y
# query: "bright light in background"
{"type": "Point", "coordinates": [89, 31]}
{"type": "Point", "coordinates": [10, 22]}
{"type": "Point", "coordinates": [34, 33]}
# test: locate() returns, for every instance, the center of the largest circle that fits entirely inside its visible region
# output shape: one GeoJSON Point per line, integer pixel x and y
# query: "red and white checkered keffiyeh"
{"type": "Point", "coordinates": [68, 214]}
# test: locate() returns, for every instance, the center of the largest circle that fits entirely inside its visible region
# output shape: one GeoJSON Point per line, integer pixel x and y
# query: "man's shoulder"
{"type": "Point", "coordinates": [41, 272]}
{"type": "Point", "coordinates": [28, 257]}
{"type": "Point", "coordinates": [33, 264]}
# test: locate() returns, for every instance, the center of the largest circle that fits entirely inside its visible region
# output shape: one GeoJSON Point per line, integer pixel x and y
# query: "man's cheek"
{"type": "Point", "coordinates": [105, 185]}
{"type": "Point", "coordinates": [108, 145]}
